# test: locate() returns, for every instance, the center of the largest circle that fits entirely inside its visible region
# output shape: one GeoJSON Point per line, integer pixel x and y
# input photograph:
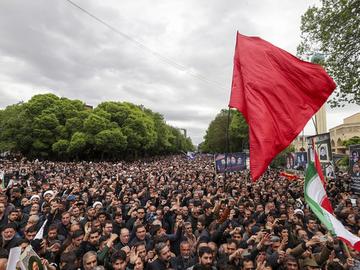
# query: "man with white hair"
{"type": "Point", "coordinates": [89, 260]}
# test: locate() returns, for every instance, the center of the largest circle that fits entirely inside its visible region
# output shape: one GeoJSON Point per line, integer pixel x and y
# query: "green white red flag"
{"type": "Point", "coordinates": [316, 198]}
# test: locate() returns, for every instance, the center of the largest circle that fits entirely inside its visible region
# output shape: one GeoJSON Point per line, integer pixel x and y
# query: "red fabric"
{"type": "Point", "coordinates": [289, 176]}
{"type": "Point", "coordinates": [277, 93]}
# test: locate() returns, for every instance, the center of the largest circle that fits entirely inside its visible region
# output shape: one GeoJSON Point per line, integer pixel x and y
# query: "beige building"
{"type": "Point", "coordinates": [320, 120]}
{"type": "Point", "coordinates": [345, 131]}
{"type": "Point", "coordinates": [300, 143]}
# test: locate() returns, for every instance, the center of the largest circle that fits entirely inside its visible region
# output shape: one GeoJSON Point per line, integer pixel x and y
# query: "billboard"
{"type": "Point", "coordinates": [323, 148]}
{"type": "Point", "coordinates": [230, 162]}
{"type": "Point", "coordinates": [354, 165]}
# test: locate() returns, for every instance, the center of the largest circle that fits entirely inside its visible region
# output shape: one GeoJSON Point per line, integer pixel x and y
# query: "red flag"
{"type": "Point", "coordinates": [277, 93]}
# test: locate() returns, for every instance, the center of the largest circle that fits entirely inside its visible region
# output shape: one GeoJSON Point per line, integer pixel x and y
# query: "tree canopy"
{"type": "Point", "coordinates": [48, 126]}
{"type": "Point", "coordinates": [352, 141]}
{"type": "Point", "coordinates": [216, 137]}
{"type": "Point", "coordinates": [334, 30]}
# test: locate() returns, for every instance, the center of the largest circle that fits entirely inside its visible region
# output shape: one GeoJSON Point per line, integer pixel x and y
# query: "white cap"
{"type": "Point", "coordinates": [97, 203]}
{"type": "Point", "coordinates": [35, 197]}
{"type": "Point", "coordinates": [49, 192]}
{"type": "Point", "coordinates": [298, 211]}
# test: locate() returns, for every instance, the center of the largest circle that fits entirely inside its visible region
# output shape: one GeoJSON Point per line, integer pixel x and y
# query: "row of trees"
{"type": "Point", "coordinates": [51, 127]}
{"type": "Point", "coordinates": [216, 134]}
{"type": "Point", "coordinates": [235, 128]}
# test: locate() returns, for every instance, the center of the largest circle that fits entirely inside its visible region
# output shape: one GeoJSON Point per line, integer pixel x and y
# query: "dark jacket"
{"type": "Point", "coordinates": [183, 264]}
{"type": "Point", "coordinates": [160, 265]}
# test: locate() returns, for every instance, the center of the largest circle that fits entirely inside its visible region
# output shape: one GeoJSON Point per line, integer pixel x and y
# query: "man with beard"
{"type": "Point", "coordinates": [184, 260]}
{"type": "Point", "coordinates": [90, 243]}
{"type": "Point", "coordinates": [8, 238]}
{"type": "Point", "coordinates": [206, 259]}
{"type": "Point", "coordinates": [164, 260]}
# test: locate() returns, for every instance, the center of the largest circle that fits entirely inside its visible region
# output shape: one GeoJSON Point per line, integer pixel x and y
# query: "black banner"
{"type": "Point", "coordinates": [354, 164]}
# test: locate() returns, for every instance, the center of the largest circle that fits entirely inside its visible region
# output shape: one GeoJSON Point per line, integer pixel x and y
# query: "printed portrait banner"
{"type": "Point", "coordinates": [230, 162]}
{"type": "Point", "coordinates": [323, 148]}
{"type": "Point", "coordinates": [354, 165]}
{"type": "Point", "coordinates": [300, 160]}
{"type": "Point", "coordinates": [290, 161]}
{"type": "Point", "coordinates": [29, 260]}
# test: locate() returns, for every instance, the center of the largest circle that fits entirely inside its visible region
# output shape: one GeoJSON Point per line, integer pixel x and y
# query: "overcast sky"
{"type": "Point", "coordinates": [180, 67]}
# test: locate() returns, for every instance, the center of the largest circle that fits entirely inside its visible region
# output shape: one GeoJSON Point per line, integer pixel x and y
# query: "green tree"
{"type": "Point", "coordinates": [352, 141]}
{"type": "Point", "coordinates": [52, 127]}
{"type": "Point", "coordinates": [238, 132]}
{"type": "Point", "coordinates": [77, 144]}
{"type": "Point", "coordinates": [74, 124]}
{"type": "Point", "coordinates": [280, 159]}
{"type": "Point", "coordinates": [163, 134]}
{"type": "Point", "coordinates": [15, 129]}
{"type": "Point", "coordinates": [140, 131]}
{"type": "Point", "coordinates": [344, 162]}
{"type": "Point", "coordinates": [61, 148]}
{"type": "Point", "coordinates": [38, 103]}
{"type": "Point", "coordinates": [95, 123]}
{"type": "Point", "coordinates": [216, 134]}
{"type": "Point", "coordinates": [334, 29]}
{"type": "Point", "coordinates": [215, 138]}
{"type": "Point", "coordinates": [110, 141]}
{"type": "Point", "coordinates": [45, 127]}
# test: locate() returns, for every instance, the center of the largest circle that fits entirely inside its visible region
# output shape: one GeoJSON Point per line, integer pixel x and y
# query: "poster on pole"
{"type": "Point", "coordinates": [354, 166]}
{"type": "Point", "coordinates": [230, 162]}
{"type": "Point", "coordinates": [300, 160]}
{"type": "Point", "coordinates": [323, 148]}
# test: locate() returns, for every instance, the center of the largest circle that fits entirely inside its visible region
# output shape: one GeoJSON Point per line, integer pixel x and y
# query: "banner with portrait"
{"type": "Point", "coordinates": [29, 260]}
{"type": "Point", "coordinates": [300, 160]}
{"type": "Point", "coordinates": [230, 162]}
{"type": "Point", "coordinates": [354, 166]}
{"type": "Point", "coordinates": [323, 149]}
{"type": "Point", "coordinates": [290, 161]}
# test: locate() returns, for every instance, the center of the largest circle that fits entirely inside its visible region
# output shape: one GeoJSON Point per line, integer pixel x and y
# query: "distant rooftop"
{"type": "Point", "coordinates": [355, 118]}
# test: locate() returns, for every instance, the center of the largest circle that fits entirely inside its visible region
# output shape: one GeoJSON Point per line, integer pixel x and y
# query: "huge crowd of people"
{"type": "Point", "coordinates": [167, 213]}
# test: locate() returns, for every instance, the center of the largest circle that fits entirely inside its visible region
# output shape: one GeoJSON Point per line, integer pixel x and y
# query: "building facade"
{"type": "Point", "coordinates": [300, 143]}
{"type": "Point", "coordinates": [348, 129]}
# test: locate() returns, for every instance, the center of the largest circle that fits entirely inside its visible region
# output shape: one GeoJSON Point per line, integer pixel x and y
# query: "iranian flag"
{"type": "Point", "coordinates": [316, 198]}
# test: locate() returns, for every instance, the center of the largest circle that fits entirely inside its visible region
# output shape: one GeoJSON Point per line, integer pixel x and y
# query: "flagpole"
{"type": "Point", "coordinates": [315, 126]}
{"type": "Point", "coordinates": [227, 141]}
